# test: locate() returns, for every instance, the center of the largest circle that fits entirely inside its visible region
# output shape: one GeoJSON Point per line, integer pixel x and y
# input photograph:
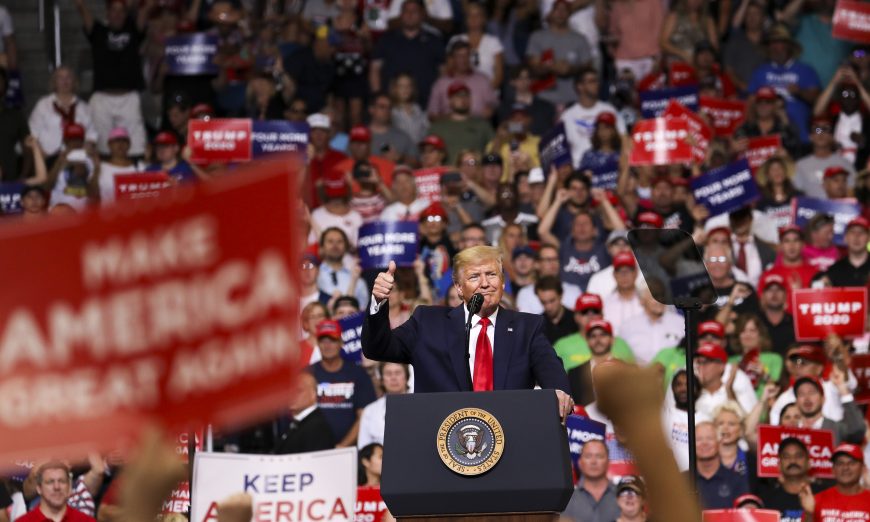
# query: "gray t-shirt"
{"type": "Point", "coordinates": [810, 169]}
{"type": "Point", "coordinates": [393, 139]}
{"type": "Point", "coordinates": [742, 56]}
{"type": "Point", "coordinates": [584, 508]}
{"type": "Point", "coordinates": [564, 45]}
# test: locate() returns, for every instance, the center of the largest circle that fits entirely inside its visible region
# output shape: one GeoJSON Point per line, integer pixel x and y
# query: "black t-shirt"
{"type": "Point", "coordinates": [565, 326]}
{"type": "Point", "coordinates": [788, 505]}
{"type": "Point", "coordinates": [843, 273]}
{"type": "Point", "coordinates": [117, 64]}
{"type": "Point", "coordinates": [782, 334]}
{"type": "Point", "coordinates": [5, 499]}
{"type": "Point", "coordinates": [13, 129]}
{"type": "Point", "coordinates": [419, 56]}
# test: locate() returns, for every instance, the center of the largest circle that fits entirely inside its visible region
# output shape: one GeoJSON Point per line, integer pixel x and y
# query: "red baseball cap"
{"type": "Point", "coordinates": [73, 131]}
{"type": "Point", "coordinates": [711, 327]}
{"type": "Point", "coordinates": [766, 93]}
{"type": "Point", "coordinates": [814, 380]}
{"type": "Point", "coordinates": [623, 259]}
{"type": "Point", "coordinates": [770, 278]}
{"type": "Point", "coordinates": [859, 221]}
{"type": "Point", "coordinates": [201, 109]}
{"type": "Point", "coordinates": [822, 120]}
{"type": "Point", "coordinates": [606, 117]}
{"type": "Point", "coordinates": [588, 302]}
{"type": "Point", "coordinates": [712, 351]}
{"type": "Point", "coordinates": [830, 172]}
{"type": "Point", "coordinates": [850, 450]}
{"type": "Point", "coordinates": [329, 328]}
{"type": "Point", "coordinates": [456, 87]}
{"type": "Point", "coordinates": [599, 323]}
{"type": "Point", "coordinates": [165, 138]}
{"type": "Point", "coordinates": [335, 187]}
{"type": "Point", "coordinates": [433, 210]}
{"type": "Point", "coordinates": [747, 498]}
{"type": "Point", "coordinates": [808, 352]}
{"type": "Point", "coordinates": [650, 219]}
{"type": "Point", "coordinates": [789, 229]}
{"type": "Point", "coordinates": [434, 141]}
{"type": "Point", "coordinates": [724, 229]}
{"type": "Point", "coordinates": [360, 133]}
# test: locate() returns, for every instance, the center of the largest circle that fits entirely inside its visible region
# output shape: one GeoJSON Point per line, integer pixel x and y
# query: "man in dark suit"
{"type": "Point", "coordinates": [308, 430]}
{"type": "Point", "coordinates": [599, 335]}
{"type": "Point", "coordinates": [512, 353]}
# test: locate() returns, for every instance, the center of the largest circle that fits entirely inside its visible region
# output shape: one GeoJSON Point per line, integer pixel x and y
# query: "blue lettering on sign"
{"type": "Point", "coordinates": [287, 483]}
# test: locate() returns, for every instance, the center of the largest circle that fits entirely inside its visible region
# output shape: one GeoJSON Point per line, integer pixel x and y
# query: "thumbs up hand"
{"type": "Point", "coordinates": [384, 283]}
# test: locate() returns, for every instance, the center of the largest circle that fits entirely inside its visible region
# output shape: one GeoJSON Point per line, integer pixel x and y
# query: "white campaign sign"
{"type": "Point", "coordinates": [317, 487]}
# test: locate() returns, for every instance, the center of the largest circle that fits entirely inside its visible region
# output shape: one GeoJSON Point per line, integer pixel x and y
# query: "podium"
{"type": "Point", "coordinates": [476, 457]}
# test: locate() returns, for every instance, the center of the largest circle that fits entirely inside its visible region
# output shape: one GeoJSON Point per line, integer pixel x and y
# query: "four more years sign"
{"type": "Point", "coordinates": [179, 311]}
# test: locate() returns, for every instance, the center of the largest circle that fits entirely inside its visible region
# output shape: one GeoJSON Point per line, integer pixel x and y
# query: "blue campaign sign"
{"type": "Point", "coordinates": [10, 198]}
{"type": "Point", "coordinates": [278, 136]}
{"type": "Point", "coordinates": [580, 431]}
{"type": "Point", "coordinates": [726, 189]}
{"type": "Point", "coordinates": [191, 54]}
{"type": "Point", "coordinates": [379, 243]}
{"type": "Point", "coordinates": [842, 210]}
{"type": "Point", "coordinates": [351, 330]}
{"type": "Point", "coordinates": [605, 176]}
{"type": "Point", "coordinates": [654, 103]}
{"type": "Point", "coordinates": [554, 149]}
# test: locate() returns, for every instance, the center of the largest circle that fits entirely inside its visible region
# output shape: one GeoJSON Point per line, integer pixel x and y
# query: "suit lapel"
{"type": "Point", "coordinates": [504, 347]}
{"type": "Point", "coordinates": [455, 348]}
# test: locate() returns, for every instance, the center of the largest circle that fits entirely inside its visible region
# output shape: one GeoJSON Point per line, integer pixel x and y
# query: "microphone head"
{"type": "Point", "coordinates": [475, 303]}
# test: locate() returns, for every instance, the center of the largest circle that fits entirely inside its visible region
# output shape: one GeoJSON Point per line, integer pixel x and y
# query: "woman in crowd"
{"type": "Point", "coordinates": [752, 344]}
{"type": "Point", "coordinates": [820, 250]}
{"type": "Point", "coordinates": [728, 419]}
{"type": "Point", "coordinates": [774, 180]}
{"type": "Point", "coordinates": [118, 162]}
{"type": "Point", "coordinates": [407, 114]}
{"type": "Point", "coordinates": [369, 467]}
{"type": "Point", "coordinates": [487, 53]}
{"type": "Point", "coordinates": [685, 26]}
{"type": "Point", "coordinates": [606, 144]}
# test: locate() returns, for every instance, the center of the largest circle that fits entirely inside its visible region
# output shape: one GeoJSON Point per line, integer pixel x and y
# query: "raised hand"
{"type": "Point", "coordinates": [384, 283]}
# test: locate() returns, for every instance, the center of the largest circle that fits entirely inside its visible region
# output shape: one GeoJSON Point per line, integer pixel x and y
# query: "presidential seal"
{"type": "Point", "coordinates": [470, 441]}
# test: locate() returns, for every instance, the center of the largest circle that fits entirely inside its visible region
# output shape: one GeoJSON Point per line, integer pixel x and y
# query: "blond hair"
{"type": "Point", "coordinates": [476, 255]}
{"type": "Point", "coordinates": [729, 407]}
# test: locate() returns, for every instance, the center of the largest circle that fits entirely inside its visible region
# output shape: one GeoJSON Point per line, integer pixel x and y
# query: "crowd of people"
{"type": "Point", "coordinates": [467, 90]}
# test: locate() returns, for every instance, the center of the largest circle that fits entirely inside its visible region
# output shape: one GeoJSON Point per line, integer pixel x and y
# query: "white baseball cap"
{"type": "Point", "coordinates": [536, 175]}
{"type": "Point", "coordinates": [318, 121]}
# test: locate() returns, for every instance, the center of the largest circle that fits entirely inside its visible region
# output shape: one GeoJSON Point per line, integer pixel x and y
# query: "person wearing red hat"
{"type": "Point", "coordinates": [624, 301]}
{"type": "Point", "coordinates": [118, 79]}
{"type": "Point", "coordinates": [574, 349]}
{"type": "Point", "coordinates": [673, 359]}
{"type": "Point", "coordinates": [714, 373]}
{"type": "Point", "coordinates": [809, 395]}
{"type": "Point", "coordinates": [790, 263]}
{"type": "Point", "coordinates": [360, 149]}
{"type": "Point", "coordinates": [853, 269]}
{"type": "Point", "coordinates": [460, 128]}
{"type": "Point", "coordinates": [765, 118]}
{"type": "Point", "coordinates": [336, 211]}
{"type": "Point", "coordinates": [846, 501]}
{"type": "Point", "coordinates": [599, 337]}
{"type": "Point", "coordinates": [581, 116]}
{"type": "Point", "coordinates": [783, 493]}
{"type": "Point", "coordinates": [435, 248]}
{"type": "Point", "coordinates": [462, 78]}
{"type": "Point", "coordinates": [834, 183]}
{"type": "Point", "coordinates": [773, 297]}
{"type": "Point", "coordinates": [344, 389]}
{"type": "Point", "coordinates": [323, 160]}
{"type": "Point", "coordinates": [809, 175]}
{"type": "Point", "coordinates": [433, 152]}
{"type": "Point", "coordinates": [166, 155]}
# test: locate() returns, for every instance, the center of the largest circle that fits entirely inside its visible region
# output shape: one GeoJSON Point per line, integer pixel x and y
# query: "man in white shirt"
{"type": "Point", "coordinates": [714, 372]}
{"type": "Point", "coordinates": [675, 418]}
{"type": "Point", "coordinates": [602, 282]}
{"type": "Point", "coordinates": [394, 380]}
{"type": "Point", "coordinates": [55, 111]}
{"type": "Point", "coordinates": [656, 328]}
{"type": "Point", "coordinates": [808, 360]}
{"type": "Point", "coordinates": [579, 118]}
{"type": "Point", "coordinates": [623, 302]}
{"type": "Point", "coordinates": [407, 206]}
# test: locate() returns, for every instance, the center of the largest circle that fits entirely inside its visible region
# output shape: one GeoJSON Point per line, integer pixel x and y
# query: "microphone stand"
{"type": "Point", "coordinates": [468, 351]}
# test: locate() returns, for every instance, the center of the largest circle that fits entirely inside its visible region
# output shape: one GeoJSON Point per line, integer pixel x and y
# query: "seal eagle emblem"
{"type": "Point", "coordinates": [470, 441]}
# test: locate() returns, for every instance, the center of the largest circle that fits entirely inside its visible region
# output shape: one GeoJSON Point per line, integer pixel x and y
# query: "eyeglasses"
{"type": "Point", "coordinates": [307, 265]}
{"type": "Point", "coordinates": [849, 94]}
{"type": "Point", "coordinates": [716, 259]}
{"type": "Point", "coordinates": [433, 219]}
{"type": "Point", "coordinates": [627, 493]}
{"type": "Point", "coordinates": [822, 129]}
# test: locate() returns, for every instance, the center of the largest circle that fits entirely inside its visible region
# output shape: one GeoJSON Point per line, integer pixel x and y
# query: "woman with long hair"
{"type": "Point", "coordinates": [752, 341]}
{"type": "Point", "coordinates": [733, 451]}
{"type": "Point", "coordinates": [369, 468]}
{"type": "Point", "coordinates": [487, 52]}
{"type": "Point", "coordinates": [606, 143]}
{"type": "Point", "coordinates": [777, 190]}
{"type": "Point", "coordinates": [685, 26]}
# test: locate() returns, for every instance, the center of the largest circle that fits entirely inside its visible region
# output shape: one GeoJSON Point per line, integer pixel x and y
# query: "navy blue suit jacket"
{"type": "Point", "coordinates": [432, 341]}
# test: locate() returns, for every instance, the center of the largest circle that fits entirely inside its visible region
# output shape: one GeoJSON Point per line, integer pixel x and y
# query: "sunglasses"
{"type": "Point", "coordinates": [716, 259]}
{"type": "Point", "coordinates": [590, 311]}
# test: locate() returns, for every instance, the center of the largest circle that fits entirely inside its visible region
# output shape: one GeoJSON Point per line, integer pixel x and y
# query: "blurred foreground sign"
{"type": "Point", "coordinates": [304, 487]}
{"type": "Point", "coordinates": [740, 515]}
{"type": "Point", "coordinates": [179, 310]}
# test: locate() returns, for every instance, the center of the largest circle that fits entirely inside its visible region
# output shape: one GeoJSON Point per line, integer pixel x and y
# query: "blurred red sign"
{"type": "Point", "coordinates": [761, 149]}
{"type": "Point", "coordinates": [661, 141]}
{"type": "Point", "coordinates": [699, 132]}
{"type": "Point", "coordinates": [429, 183]}
{"type": "Point", "coordinates": [820, 444]}
{"type": "Point", "coordinates": [370, 507]}
{"type": "Point", "coordinates": [740, 515]}
{"type": "Point", "coordinates": [180, 314]}
{"type": "Point", "coordinates": [725, 115]}
{"type": "Point", "coordinates": [860, 366]}
{"type": "Point", "coordinates": [852, 21]}
{"type": "Point", "coordinates": [821, 312]}
{"type": "Point", "coordinates": [141, 185]}
{"type": "Point", "coordinates": [219, 140]}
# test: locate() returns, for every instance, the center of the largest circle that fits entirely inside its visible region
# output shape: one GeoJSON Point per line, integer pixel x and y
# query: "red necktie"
{"type": "Point", "coordinates": [483, 359]}
{"type": "Point", "coordinates": [741, 255]}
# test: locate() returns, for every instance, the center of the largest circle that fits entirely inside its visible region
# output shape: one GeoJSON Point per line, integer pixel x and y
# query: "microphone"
{"type": "Point", "coordinates": [474, 304]}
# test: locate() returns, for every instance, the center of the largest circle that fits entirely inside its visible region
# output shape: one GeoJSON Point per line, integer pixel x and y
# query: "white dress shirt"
{"type": "Point", "coordinates": [743, 390]}
{"type": "Point", "coordinates": [45, 123]}
{"type": "Point", "coordinates": [646, 338]}
{"type": "Point", "coordinates": [528, 302]}
{"type": "Point", "coordinates": [618, 310]}
{"type": "Point", "coordinates": [372, 423]}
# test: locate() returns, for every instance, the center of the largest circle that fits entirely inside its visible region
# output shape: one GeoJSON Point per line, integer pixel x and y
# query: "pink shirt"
{"type": "Point", "coordinates": [483, 98]}
{"type": "Point", "coordinates": [637, 24]}
{"type": "Point", "coordinates": [821, 258]}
